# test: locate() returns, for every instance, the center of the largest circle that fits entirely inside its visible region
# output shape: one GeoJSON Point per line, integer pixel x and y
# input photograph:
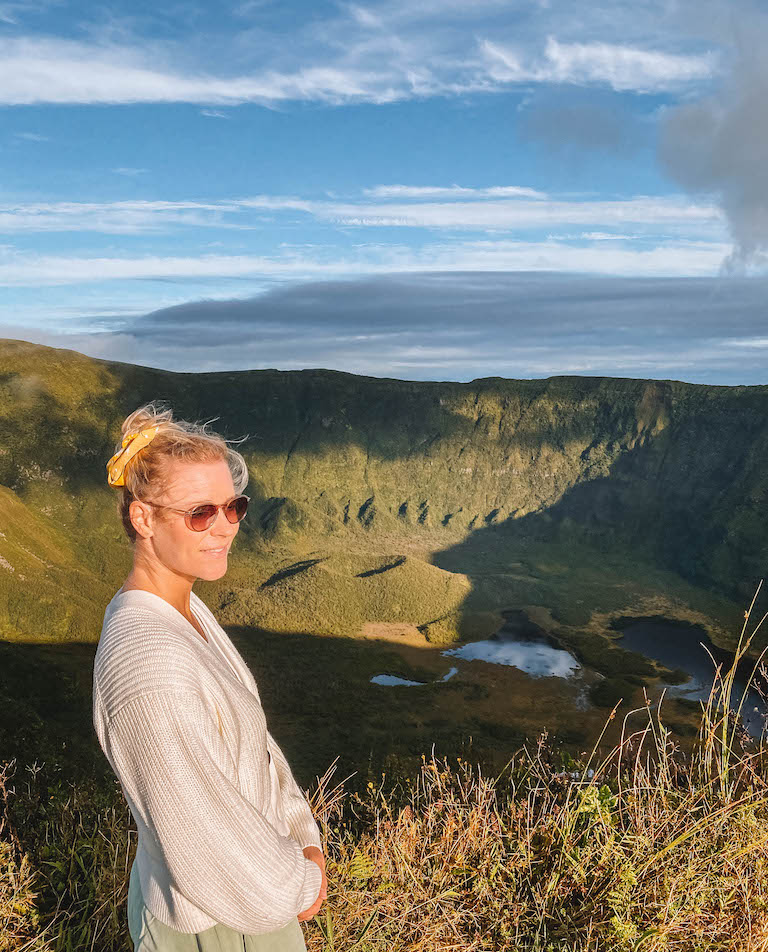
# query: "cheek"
{"type": "Point", "coordinates": [176, 543]}
{"type": "Point", "coordinates": [187, 541]}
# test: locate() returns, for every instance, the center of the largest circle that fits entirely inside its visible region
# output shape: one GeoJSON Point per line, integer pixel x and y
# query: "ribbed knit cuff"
{"type": "Point", "coordinates": [306, 833]}
{"type": "Point", "coordinates": [304, 828]}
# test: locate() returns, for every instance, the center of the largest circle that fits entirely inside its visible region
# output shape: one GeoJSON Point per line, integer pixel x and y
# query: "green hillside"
{"type": "Point", "coordinates": [672, 471]}
{"type": "Point", "coordinates": [389, 518]}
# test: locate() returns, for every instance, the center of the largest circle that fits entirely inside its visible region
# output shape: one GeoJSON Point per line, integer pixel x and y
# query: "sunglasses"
{"type": "Point", "coordinates": [202, 517]}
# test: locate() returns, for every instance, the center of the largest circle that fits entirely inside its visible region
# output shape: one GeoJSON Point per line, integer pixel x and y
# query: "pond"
{"type": "Point", "coordinates": [682, 645]}
{"type": "Point", "coordinates": [390, 680]}
{"type": "Point", "coordinates": [536, 658]}
{"type": "Point", "coordinates": [521, 643]}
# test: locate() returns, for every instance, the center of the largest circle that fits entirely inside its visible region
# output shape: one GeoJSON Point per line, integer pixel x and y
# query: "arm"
{"type": "Point", "coordinates": [221, 852]}
{"type": "Point", "coordinates": [298, 813]}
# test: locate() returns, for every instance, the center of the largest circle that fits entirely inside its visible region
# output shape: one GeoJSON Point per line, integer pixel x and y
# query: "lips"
{"type": "Point", "coordinates": [216, 553]}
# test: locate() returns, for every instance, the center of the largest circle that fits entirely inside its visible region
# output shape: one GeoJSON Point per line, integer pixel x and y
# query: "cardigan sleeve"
{"type": "Point", "coordinates": [298, 813]}
{"type": "Point", "coordinates": [221, 852]}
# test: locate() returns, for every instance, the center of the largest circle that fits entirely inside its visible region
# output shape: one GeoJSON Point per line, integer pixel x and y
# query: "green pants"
{"type": "Point", "coordinates": [149, 934]}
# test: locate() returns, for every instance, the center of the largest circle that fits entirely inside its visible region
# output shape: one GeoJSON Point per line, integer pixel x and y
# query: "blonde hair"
{"type": "Point", "coordinates": [146, 473]}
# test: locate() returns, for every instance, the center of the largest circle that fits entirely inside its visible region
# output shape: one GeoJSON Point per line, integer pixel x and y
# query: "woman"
{"type": "Point", "coordinates": [229, 855]}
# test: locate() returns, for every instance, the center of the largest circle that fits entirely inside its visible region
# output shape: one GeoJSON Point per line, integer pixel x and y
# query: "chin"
{"type": "Point", "coordinates": [214, 571]}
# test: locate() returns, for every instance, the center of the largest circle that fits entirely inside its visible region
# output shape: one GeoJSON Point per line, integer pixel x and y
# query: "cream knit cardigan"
{"type": "Point", "coordinates": [221, 820]}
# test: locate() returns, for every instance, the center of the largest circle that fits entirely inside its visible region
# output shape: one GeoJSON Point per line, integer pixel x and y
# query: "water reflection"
{"type": "Point", "coordinates": [392, 679]}
{"type": "Point", "coordinates": [679, 645]}
{"type": "Point", "coordinates": [538, 659]}
{"type": "Point", "coordinates": [522, 644]}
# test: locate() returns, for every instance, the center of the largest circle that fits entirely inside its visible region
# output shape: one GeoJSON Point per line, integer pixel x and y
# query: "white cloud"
{"type": "Point", "coordinates": [369, 66]}
{"type": "Point", "coordinates": [476, 210]}
{"type": "Point", "coordinates": [452, 191]}
{"type": "Point", "coordinates": [129, 171]}
{"type": "Point", "coordinates": [108, 217]}
{"type": "Point", "coordinates": [61, 71]}
{"type": "Point", "coordinates": [509, 215]}
{"type": "Point", "coordinates": [365, 17]}
{"type": "Point", "coordinates": [668, 258]}
{"type": "Point", "coordinates": [603, 236]}
{"type": "Point", "coordinates": [751, 343]}
{"type": "Point", "coordinates": [592, 236]}
{"type": "Point", "coordinates": [41, 270]}
{"type": "Point", "coordinates": [31, 136]}
{"type": "Point", "coordinates": [621, 67]}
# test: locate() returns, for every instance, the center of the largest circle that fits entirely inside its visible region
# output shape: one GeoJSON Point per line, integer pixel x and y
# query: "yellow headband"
{"type": "Point", "coordinates": [138, 440]}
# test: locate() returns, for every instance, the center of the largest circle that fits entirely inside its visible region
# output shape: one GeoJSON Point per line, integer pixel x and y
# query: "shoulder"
{"type": "Point", "coordinates": [141, 651]}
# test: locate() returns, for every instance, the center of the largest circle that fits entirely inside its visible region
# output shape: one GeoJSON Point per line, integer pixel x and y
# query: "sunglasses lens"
{"type": "Point", "coordinates": [202, 517]}
{"type": "Point", "coordinates": [237, 509]}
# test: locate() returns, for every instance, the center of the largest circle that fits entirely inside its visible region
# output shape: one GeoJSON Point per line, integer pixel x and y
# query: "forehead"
{"type": "Point", "coordinates": [191, 483]}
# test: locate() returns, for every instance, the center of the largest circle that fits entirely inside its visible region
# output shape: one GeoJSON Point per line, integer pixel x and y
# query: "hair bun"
{"type": "Point", "coordinates": [132, 443]}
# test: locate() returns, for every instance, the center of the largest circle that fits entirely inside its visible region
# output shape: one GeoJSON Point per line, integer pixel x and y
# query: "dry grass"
{"type": "Point", "coordinates": [639, 850]}
{"type": "Point", "coordinates": [642, 848]}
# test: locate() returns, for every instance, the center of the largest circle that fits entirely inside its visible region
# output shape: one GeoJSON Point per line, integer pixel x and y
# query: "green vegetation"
{"type": "Point", "coordinates": [390, 518]}
{"type": "Point", "coordinates": [632, 846]}
{"type": "Point", "coordinates": [334, 593]}
{"type": "Point", "coordinates": [507, 485]}
{"type": "Point", "coordinates": [433, 506]}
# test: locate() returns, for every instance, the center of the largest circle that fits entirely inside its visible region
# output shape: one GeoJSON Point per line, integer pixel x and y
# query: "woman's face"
{"type": "Point", "coordinates": [181, 550]}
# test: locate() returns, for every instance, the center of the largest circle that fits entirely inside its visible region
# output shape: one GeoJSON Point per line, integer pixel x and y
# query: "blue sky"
{"type": "Point", "coordinates": [286, 158]}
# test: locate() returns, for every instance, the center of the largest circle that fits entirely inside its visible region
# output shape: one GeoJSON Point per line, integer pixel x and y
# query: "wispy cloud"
{"type": "Point", "coordinates": [111, 217]}
{"type": "Point", "coordinates": [8, 13]}
{"type": "Point", "coordinates": [592, 236]}
{"type": "Point", "coordinates": [129, 171]}
{"type": "Point", "coordinates": [751, 343]}
{"type": "Point", "coordinates": [452, 191]}
{"type": "Point", "coordinates": [61, 71]}
{"type": "Point", "coordinates": [516, 214]}
{"type": "Point", "coordinates": [620, 67]}
{"type": "Point", "coordinates": [369, 67]}
{"type": "Point", "coordinates": [214, 114]}
{"type": "Point", "coordinates": [471, 209]}
{"type": "Point", "coordinates": [667, 258]}
{"type": "Point", "coordinates": [31, 136]}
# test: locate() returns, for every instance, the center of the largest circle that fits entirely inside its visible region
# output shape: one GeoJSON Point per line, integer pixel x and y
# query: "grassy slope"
{"type": "Point", "coordinates": [387, 500]}
{"type": "Point", "coordinates": [675, 470]}
{"type": "Point", "coordinates": [365, 491]}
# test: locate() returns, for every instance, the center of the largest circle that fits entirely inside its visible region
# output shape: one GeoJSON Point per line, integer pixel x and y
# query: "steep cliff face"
{"type": "Point", "coordinates": [677, 469]}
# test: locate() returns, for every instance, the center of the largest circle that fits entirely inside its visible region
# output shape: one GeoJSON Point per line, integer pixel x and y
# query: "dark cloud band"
{"type": "Point", "coordinates": [459, 326]}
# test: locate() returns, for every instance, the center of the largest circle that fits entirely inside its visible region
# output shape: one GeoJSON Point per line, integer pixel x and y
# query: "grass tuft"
{"type": "Point", "coordinates": [637, 848]}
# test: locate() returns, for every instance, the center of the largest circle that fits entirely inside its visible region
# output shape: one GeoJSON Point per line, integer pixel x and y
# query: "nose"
{"type": "Point", "coordinates": [230, 528]}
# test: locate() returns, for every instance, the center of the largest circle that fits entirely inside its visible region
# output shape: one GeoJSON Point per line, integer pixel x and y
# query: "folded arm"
{"type": "Point", "coordinates": [298, 813]}
{"type": "Point", "coordinates": [222, 853]}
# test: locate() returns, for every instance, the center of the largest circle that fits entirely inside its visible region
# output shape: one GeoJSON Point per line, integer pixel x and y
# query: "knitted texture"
{"type": "Point", "coordinates": [221, 820]}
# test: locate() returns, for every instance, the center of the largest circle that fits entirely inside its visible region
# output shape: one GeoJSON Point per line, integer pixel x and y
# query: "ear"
{"type": "Point", "coordinates": [140, 516]}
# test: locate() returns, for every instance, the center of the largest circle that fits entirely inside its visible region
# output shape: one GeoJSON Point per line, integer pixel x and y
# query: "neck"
{"type": "Point", "coordinates": [175, 589]}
